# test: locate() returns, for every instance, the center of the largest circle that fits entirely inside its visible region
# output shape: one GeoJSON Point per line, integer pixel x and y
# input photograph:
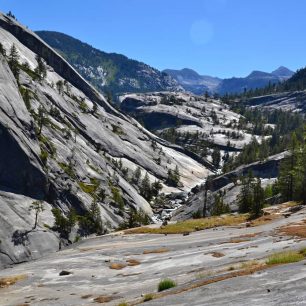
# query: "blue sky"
{"type": "Point", "coordinates": [222, 38]}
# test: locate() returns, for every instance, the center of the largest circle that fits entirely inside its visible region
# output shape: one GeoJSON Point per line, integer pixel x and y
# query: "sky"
{"type": "Point", "coordinates": [221, 38]}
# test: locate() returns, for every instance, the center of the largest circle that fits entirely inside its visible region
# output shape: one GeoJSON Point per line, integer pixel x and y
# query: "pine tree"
{"type": "Point", "coordinates": [216, 157]}
{"type": "Point", "coordinates": [38, 207]}
{"type": "Point", "coordinates": [145, 188]}
{"type": "Point", "coordinates": [60, 86]}
{"type": "Point", "coordinates": [219, 207]}
{"type": "Point", "coordinates": [13, 61]}
{"type": "Point", "coordinates": [245, 198]}
{"type": "Point", "coordinates": [95, 216]}
{"type": "Point", "coordinates": [288, 168]}
{"type": "Point", "coordinates": [136, 175]}
{"type": "Point", "coordinates": [258, 199]}
{"type": "Point", "coordinates": [41, 69]}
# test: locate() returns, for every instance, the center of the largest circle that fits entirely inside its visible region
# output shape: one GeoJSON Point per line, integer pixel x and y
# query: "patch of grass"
{"type": "Point", "coordinates": [165, 284]}
{"type": "Point", "coordinates": [90, 188]}
{"type": "Point", "coordinates": [156, 251]}
{"type": "Point", "coordinates": [117, 266]}
{"type": "Point", "coordinates": [148, 297]}
{"type": "Point", "coordinates": [284, 257]}
{"type": "Point", "coordinates": [189, 226]}
{"type": "Point", "coordinates": [11, 280]}
{"type": "Point", "coordinates": [123, 304]}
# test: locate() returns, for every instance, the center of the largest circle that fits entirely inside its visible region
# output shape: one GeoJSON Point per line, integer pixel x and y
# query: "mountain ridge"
{"type": "Point", "coordinates": [108, 72]}
{"type": "Point", "coordinates": [192, 81]}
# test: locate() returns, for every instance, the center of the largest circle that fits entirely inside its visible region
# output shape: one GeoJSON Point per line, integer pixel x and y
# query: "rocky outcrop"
{"type": "Point", "coordinates": [61, 142]}
{"type": "Point", "coordinates": [19, 242]}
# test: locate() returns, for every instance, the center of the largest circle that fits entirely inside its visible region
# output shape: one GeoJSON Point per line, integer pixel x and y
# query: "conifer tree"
{"type": "Point", "coordinates": [145, 188]}
{"type": "Point", "coordinates": [136, 175]}
{"type": "Point", "coordinates": [245, 198]}
{"type": "Point", "coordinates": [258, 199]}
{"type": "Point", "coordinates": [41, 69]}
{"type": "Point", "coordinates": [288, 167]}
{"type": "Point", "coordinates": [219, 207]}
{"type": "Point", "coordinates": [13, 61]}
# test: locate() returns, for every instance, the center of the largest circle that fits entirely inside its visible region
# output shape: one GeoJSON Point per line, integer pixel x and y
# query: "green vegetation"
{"type": "Point", "coordinates": [218, 208]}
{"type": "Point", "coordinates": [284, 124]}
{"type": "Point", "coordinates": [37, 207]}
{"type": "Point", "coordinates": [173, 178]}
{"type": "Point", "coordinates": [251, 197]}
{"type": "Point", "coordinates": [192, 225]}
{"type": "Point", "coordinates": [285, 257]}
{"type": "Point", "coordinates": [89, 223]}
{"type": "Point", "coordinates": [166, 284]}
{"type": "Point", "coordinates": [117, 129]}
{"type": "Point", "coordinates": [44, 156]}
{"type": "Point", "coordinates": [26, 96]}
{"type": "Point", "coordinates": [64, 224]}
{"type": "Point", "coordinates": [148, 297]}
{"type": "Point", "coordinates": [90, 188]}
{"type": "Point", "coordinates": [136, 219]}
{"type": "Point", "coordinates": [41, 69]}
{"type": "Point", "coordinates": [13, 61]}
{"type": "Point", "coordinates": [68, 169]}
{"type": "Point", "coordinates": [117, 197]}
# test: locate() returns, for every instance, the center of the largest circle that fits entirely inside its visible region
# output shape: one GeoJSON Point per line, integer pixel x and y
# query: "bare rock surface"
{"type": "Point", "coordinates": [100, 267]}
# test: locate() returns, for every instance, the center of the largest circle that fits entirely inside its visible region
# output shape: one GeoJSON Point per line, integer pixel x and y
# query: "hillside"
{"type": "Point", "coordinates": [108, 72]}
{"type": "Point", "coordinates": [67, 148]}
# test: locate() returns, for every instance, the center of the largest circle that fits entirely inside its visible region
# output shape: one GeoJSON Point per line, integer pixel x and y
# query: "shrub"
{"type": "Point", "coordinates": [166, 284]}
{"type": "Point", "coordinates": [68, 169]}
{"type": "Point", "coordinates": [44, 156]}
{"type": "Point", "coordinates": [148, 297]}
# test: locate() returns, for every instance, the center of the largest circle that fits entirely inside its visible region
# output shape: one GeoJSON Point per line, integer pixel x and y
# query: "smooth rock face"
{"type": "Point", "coordinates": [83, 140]}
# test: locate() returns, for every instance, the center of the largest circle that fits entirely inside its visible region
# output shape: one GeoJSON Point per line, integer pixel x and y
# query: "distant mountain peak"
{"type": "Point", "coordinates": [282, 71]}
